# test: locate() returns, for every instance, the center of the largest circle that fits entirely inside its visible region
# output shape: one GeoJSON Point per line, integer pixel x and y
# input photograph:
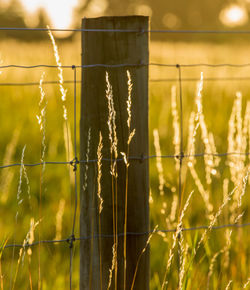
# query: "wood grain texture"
{"type": "Point", "coordinates": [114, 48]}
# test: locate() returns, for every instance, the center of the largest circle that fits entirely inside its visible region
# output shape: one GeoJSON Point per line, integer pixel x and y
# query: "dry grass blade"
{"type": "Point", "coordinates": [158, 161]}
{"type": "Point", "coordinates": [125, 158]}
{"type": "Point", "coordinates": [175, 236]}
{"type": "Point", "coordinates": [1, 253]}
{"type": "Point", "coordinates": [191, 161]}
{"type": "Point", "coordinates": [59, 217]}
{"type": "Point", "coordinates": [114, 257]}
{"type": "Point", "coordinates": [100, 200]}
{"type": "Point", "coordinates": [29, 238]}
{"type": "Point", "coordinates": [99, 173]}
{"type": "Point", "coordinates": [113, 165]}
{"type": "Point", "coordinates": [225, 249]}
{"type": "Point", "coordinates": [246, 284]}
{"type": "Point", "coordinates": [214, 220]}
{"type": "Point", "coordinates": [60, 70]}
{"type": "Point", "coordinates": [142, 252]}
{"type": "Point", "coordinates": [176, 126]}
{"type": "Point", "coordinates": [7, 175]}
{"type": "Point", "coordinates": [229, 284]}
{"type": "Point", "coordinates": [183, 260]}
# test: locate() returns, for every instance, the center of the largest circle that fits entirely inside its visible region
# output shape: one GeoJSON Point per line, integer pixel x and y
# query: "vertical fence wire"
{"type": "Point", "coordinates": [181, 155]}
{"type": "Point", "coordinates": [74, 164]}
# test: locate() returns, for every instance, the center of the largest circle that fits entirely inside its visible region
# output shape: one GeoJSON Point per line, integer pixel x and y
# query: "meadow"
{"type": "Point", "coordinates": [216, 119]}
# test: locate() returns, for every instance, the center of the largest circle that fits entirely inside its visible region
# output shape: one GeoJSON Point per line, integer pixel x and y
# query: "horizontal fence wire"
{"type": "Point", "coordinates": [96, 236]}
{"type": "Point", "coordinates": [184, 31]}
{"type": "Point", "coordinates": [75, 161]}
{"type": "Point", "coordinates": [161, 80]}
{"type": "Point", "coordinates": [232, 65]}
{"type": "Point", "coordinates": [37, 83]}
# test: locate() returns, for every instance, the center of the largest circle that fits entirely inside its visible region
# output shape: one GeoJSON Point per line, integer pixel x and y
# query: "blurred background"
{"type": "Point", "coordinates": [52, 191]}
{"type": "Point", "coordinates": [172, 15]}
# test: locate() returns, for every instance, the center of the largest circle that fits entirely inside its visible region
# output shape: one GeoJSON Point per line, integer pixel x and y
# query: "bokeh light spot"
{"type": "Point", "coordinates": [234, 15]}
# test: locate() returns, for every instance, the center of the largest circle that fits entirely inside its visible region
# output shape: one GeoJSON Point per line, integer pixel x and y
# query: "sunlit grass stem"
{"type": "Point", "coordinates": [126, 161]}
{"type": "Point", "coordinates": [140, 256]}
{"type": "Point", "coordinates": [100, 201]}
{"type": "Point", "coordinates": [175, 237]}
{"type": "Point", "coordinates": [113, 170]}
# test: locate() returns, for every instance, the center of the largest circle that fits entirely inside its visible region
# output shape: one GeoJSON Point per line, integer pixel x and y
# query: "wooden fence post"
{"type": "Point", "coordinates": [114, 48]}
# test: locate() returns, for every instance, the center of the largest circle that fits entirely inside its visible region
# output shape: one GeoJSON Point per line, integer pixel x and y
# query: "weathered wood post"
{"type": "Point", "coordinates": [129, 51]}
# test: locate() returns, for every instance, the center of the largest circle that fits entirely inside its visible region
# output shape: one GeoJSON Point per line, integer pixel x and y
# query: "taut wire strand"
{"type": "Point", "coordinates": [75, 161]}
{"type": "Point", "coordinates": [191, 65]}
{"type": "Point", "coordinates": [184, 31]}
{"type": "Point", "coordinates": [96, 236]}
{"type": "Point", "coordinates": [161, 80]}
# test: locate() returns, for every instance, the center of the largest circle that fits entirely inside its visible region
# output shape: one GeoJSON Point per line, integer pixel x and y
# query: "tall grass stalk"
{"type": "Point", "coordinates": [112, 266]}
{"type": "Point", "coordinates": [19, 201]}
{"type": "Point", "coordinates": [207, 137]}
{"type": "Point", "coordinates": [229, 284]}
{"type": "Point", "coordinates": [1, 254]}
{"type": "Point", "coordinates": [29, 251]}
{"type": "Point", "coordinates": [238, 132]}
{"type": "Point", "coordinates": [113, 167]}
{"type": "Point", "coordinates": [84, 187]}
{"type": "Point", "coordinates": [246, 284]}
{"type": "Point", "coordinates": [205, 236]}
{"type": "Point", "coordinates": [126, 161]}
{"type": "Point", "coordinates": [100, 201]}
{"type": "Point", "coordinates": [59, 217]}
{"type": "Point", "coordinates": [29, 238]}
{"type": "Point", "coordinates": [60, 72]}
{"type": "Point", "coordinates": [7, 175]}
{"type": "Point", "coordinates": [139, 258]}
{"type": "Point", "coordinates": [195, 121]}
{"type": "Point", "coordinates": [183, 259]}
{"type": "Point", "coordinates": [225, 249]}
{"type": "Point", "coordinates": [41, 118]}
{"type": "Point", "coordinates": [87, 160]}
{"type": "Point", "coordinates": [176, 126]}
{"type": "Point", "coordinates": [175, 237]}
{"type": "Point", "coordinates": [158, 161]}
{"type": "Point", "coordinates": [63, 92]}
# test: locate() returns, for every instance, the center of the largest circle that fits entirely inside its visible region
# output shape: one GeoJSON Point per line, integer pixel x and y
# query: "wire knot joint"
{"type": "Point", "coordinates": [180, 156]}
{"type": "Point", "coordinates": [71, 241]}
{"type": "Point", "coordinates": [74, 163]}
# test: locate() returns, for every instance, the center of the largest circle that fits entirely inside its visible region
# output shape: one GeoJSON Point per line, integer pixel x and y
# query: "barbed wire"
{"type": "Point", "coordinates": [96, 236]}
{"type": "Point", "coordinates": [75, 161]}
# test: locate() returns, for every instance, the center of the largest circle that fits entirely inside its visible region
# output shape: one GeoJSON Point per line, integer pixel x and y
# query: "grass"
{"type": "Point", "coordinates": [207, 259]}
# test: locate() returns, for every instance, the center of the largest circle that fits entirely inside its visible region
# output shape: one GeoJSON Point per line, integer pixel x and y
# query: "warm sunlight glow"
{"type": "Point", "coordinates": [234, 15]}
{"type": "Point", "coordinates": [60, 12]}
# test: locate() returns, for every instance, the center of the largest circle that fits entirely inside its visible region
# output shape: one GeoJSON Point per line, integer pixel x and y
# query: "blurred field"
{"type": "Point", "coordinates": [19, 127]}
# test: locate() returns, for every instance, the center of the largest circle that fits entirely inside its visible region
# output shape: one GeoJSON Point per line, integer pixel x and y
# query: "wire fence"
{"type": "Point", "coordinates": [43, 29]}
{"type": "Point", "coordinates": [75, 161]}
{"type": "Point", "coordinates": [161, 80]}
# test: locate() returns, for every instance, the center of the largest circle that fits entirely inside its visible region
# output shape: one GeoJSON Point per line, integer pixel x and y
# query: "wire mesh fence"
{"type": "Point", "coordinates": [75, 162]}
